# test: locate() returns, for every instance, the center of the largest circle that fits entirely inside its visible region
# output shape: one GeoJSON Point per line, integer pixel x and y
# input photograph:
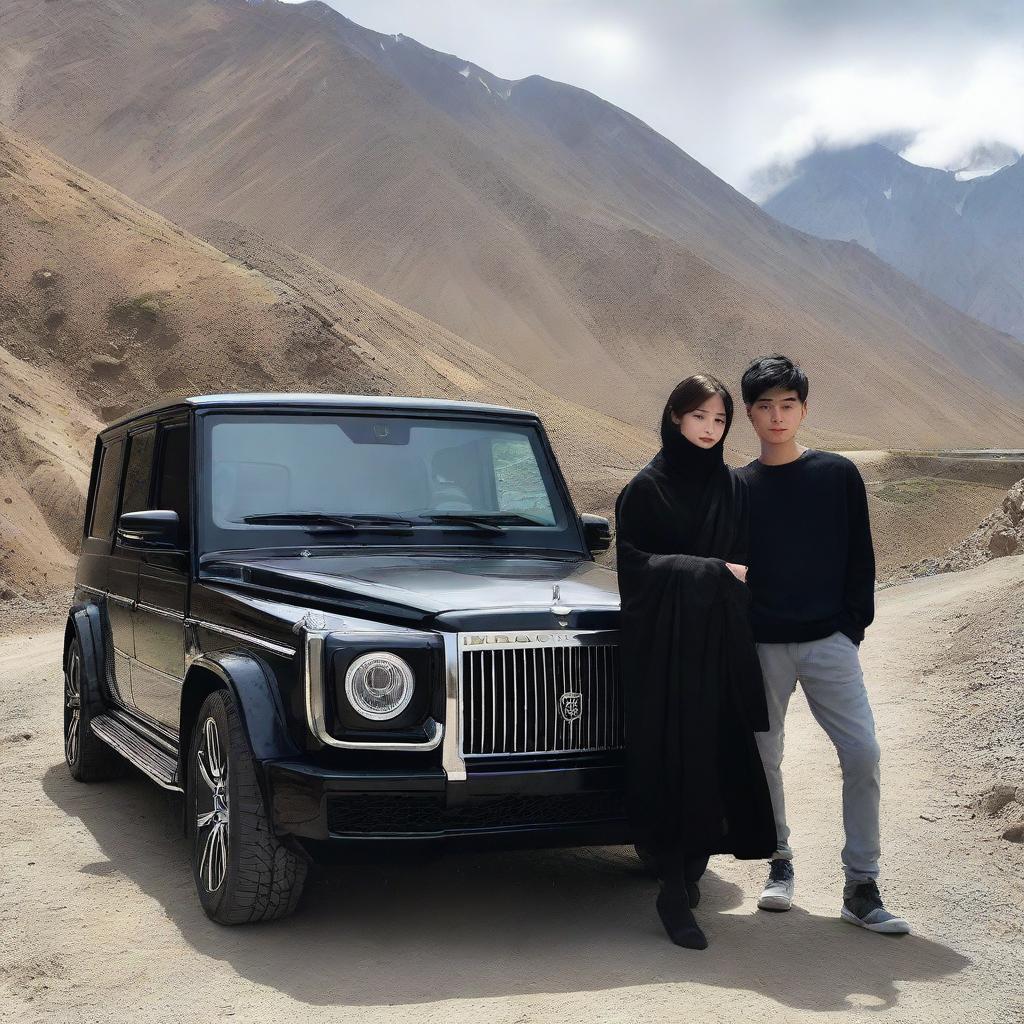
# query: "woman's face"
{"type": "Point", "coordinates": [705, 425]}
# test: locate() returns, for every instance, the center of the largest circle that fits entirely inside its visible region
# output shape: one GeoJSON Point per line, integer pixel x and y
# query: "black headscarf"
{"type": "Point", "coordinates": [694, 690]}
{"type": "Point", "coordinates": [699, 478]}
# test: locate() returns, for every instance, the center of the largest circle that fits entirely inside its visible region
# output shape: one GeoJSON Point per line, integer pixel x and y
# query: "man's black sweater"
{"type": "Point", "coordinates": [812, 566]}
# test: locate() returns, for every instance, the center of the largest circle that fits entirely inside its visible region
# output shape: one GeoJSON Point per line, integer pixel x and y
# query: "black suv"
{"type": "Point", "coordinates": [337, 619]}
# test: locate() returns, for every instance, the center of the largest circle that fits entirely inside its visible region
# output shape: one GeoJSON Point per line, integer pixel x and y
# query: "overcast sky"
{"type": "Point", "coordinates": [743, 85]}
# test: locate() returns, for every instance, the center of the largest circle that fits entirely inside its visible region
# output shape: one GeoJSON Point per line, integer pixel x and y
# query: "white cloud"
{"type": "Point", "coordinates": [610, 44]}
{"type": "Point", "coordinates": [986, 106]}
{"type": "Point", "coordinates": [946, 111]}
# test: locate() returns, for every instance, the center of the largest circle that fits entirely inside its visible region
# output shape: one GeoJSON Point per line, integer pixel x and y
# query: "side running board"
{"type": "Point", "coordinates": [160, 766]}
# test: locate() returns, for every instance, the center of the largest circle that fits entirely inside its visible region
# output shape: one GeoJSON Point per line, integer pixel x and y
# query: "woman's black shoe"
{"type": "Point", "coordinates": [676, 916]}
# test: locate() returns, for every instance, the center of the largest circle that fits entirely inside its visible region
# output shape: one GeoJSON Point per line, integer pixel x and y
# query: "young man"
{"type": "Point", "coordinates": [811, 579]}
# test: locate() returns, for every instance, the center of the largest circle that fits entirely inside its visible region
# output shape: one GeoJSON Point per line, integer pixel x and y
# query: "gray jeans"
{"type": "Point", "coordinates": [830, 674]}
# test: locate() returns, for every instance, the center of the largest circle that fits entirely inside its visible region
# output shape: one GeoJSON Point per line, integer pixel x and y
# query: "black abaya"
{"type": "Point", "coordinates": [693, 686]}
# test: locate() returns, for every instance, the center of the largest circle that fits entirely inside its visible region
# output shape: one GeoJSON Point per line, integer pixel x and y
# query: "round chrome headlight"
{"type": "Point", "coordinates": [379, 685]}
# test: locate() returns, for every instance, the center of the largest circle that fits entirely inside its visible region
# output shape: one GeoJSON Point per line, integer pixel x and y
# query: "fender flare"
{"type": "Point", "coordinates": [85, 622]}
{"type": "Point", "coordinates": [259, 703]}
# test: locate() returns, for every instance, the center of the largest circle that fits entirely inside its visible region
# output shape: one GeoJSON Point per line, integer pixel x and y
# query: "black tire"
{"type": "Point", "coordinates": [88, 758]}
{"type": "Point", "coordinates": [243, 872]}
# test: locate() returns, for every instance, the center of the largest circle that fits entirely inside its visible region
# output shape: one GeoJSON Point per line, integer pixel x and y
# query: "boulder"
{"type": "Point", "coordinates": [1003, 542]}
{"type": "Point", "coordinates": [1013, 504]}
{"type": "Point", "coordinates": [997, 798]}
{"type": "Point", "coordinates": [1015, 833]}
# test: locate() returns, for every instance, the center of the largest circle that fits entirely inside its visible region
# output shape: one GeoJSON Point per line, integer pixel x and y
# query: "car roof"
{"type": "Point", "coordinates": [289, 399]}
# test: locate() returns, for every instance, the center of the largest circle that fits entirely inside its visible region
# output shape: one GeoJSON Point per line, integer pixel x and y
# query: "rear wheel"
{"type": "Point", "coordinates": [89, 759]}
{"type": "Point", "coordinates": [242, 871]}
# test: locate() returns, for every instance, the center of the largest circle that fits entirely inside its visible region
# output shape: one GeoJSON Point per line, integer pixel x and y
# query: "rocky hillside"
{"type": "Point", "coordinates": [998, 535]}
{"type": "Point", "coordinates": [105, 307]}
{"type": "Point", "coordinates": [921, 504]}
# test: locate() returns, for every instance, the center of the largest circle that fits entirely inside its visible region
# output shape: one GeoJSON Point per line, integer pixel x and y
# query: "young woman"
{"type": "Point", "coordinates": [693, 685]}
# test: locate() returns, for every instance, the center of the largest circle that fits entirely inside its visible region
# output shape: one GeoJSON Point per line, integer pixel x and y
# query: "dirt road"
{"type": "Point", "coordinates": [98, 919]}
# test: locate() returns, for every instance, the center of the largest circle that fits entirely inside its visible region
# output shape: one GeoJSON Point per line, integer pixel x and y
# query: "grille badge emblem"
{"type": "Point", "coordinates": [571, 706]}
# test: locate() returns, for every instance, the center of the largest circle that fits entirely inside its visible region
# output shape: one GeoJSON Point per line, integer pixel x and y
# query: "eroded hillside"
{"type": "Point", "coordinates": [105, 307]}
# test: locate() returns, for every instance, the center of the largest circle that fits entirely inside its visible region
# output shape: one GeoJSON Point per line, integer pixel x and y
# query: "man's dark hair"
{"type": "Point", "coordinates": [774, 371]}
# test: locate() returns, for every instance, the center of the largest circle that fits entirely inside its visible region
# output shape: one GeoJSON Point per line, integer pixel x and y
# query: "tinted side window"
{"type": "Point", "coordinates": [172, 479]}
{"type": "Point", "coordinates": [140, 466]}
{"type": "Point", "coordinates": [106, 490]}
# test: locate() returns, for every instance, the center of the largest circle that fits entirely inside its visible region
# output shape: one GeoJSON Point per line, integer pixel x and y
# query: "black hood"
{"type": "Point", "coordinates": [421, 588]}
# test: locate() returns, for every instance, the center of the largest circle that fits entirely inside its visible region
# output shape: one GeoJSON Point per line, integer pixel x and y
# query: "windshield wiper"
{"type": "Point", "coordinates": [486, 522]}
{"type": "Point", "coordinates": [332, 520]}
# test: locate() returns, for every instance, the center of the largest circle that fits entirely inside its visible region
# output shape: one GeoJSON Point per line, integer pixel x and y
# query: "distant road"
{"type": "Point", "coordinates": [985, 454]}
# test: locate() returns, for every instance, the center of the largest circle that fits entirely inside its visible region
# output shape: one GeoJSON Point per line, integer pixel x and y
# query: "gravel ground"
{"type": "Point", "coordinates": [99, 921]}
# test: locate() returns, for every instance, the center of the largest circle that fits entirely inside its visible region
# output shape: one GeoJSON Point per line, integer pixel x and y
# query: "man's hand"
{"type": "Point", "coordinates": [739, 571]}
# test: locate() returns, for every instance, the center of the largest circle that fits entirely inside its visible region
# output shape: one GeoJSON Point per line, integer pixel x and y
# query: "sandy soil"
{"type": "Point", "coordinates": [98, 917]}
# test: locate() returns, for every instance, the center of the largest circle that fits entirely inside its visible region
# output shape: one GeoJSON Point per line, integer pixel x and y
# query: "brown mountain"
{"type": "Point", "coordinates": [106, 307]}
{"type": "Point", "coordinates": [547, 227]}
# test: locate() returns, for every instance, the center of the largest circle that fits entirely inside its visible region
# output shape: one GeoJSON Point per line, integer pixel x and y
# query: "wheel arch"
{"type": "Point", "coordinates": [249, 680]}
{"type": "Point", "coordinates": [84, 623]}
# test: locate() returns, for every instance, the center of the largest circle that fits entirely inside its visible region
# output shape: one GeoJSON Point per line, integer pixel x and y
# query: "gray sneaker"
{"type": "Point", "coordinates": [862, 906]}
{"type": "Point", "coordinates": [778, 890]}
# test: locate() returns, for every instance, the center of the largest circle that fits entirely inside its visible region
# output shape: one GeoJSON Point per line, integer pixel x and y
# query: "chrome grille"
{"type": "Point", "coordinates": [537, 693]}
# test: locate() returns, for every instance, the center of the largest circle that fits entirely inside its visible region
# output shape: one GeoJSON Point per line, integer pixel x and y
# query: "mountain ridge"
{"type": "Point", "coordinates": [963, 240]}
{"type": "Point", "coordinates": [603, 275]}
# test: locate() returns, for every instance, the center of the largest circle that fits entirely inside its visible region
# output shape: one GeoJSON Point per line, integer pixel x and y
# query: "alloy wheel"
{"type": "Point", "coordinates": [212, 807]}
{"type": "Point", "coordinates": [72, 707]}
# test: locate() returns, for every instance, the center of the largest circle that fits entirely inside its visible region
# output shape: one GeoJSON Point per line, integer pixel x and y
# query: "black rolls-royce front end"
{"type": "Point", "coordinates": [513, 731]}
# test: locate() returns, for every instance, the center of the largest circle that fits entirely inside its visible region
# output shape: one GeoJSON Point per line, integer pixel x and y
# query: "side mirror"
{"type": "Point", "coordinates": [153, 528]}
{"type": "Point", "coordinates": [597, 532]}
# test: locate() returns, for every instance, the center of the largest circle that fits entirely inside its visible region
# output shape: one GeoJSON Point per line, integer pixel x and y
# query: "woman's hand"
{"type": "Point", "coordinates": [739, 571]}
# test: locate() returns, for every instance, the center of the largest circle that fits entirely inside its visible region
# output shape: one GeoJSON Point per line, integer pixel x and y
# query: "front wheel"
{"type": "Point", "coordinates": [242, 871]}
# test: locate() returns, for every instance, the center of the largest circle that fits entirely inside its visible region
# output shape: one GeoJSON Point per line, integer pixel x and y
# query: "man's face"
{"type": "Point", "coordinates": [776, 415]}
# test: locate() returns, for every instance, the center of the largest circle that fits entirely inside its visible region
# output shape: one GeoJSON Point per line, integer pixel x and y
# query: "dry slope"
{"type": "Point", "coordinates": [105, 306]}
{"type": "Point", "coordinates": [921, 503]}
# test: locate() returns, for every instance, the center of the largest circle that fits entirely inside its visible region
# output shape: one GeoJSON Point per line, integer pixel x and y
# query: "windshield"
{"type": "Point", "coordinates": [282, 480]}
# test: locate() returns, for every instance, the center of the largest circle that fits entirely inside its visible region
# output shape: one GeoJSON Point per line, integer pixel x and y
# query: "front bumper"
{"type": "Point", "coordinates": [548, 806]}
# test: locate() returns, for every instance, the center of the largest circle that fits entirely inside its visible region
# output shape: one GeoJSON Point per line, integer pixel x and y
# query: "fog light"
{"type": "Point", "coordinates": [379, 685]}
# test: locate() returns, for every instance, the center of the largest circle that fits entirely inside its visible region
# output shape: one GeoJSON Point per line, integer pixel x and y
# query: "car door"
{"type": "Point", "coordinates": [123, 572]}
{"type": "Point", "coordinates": [159, 665]}
{"type": "Point", "coordinates": [94, 565]}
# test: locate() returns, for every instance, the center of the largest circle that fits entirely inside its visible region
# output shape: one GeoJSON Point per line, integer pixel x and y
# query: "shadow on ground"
{"type": "Point", "coordinates": [414, 929]}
